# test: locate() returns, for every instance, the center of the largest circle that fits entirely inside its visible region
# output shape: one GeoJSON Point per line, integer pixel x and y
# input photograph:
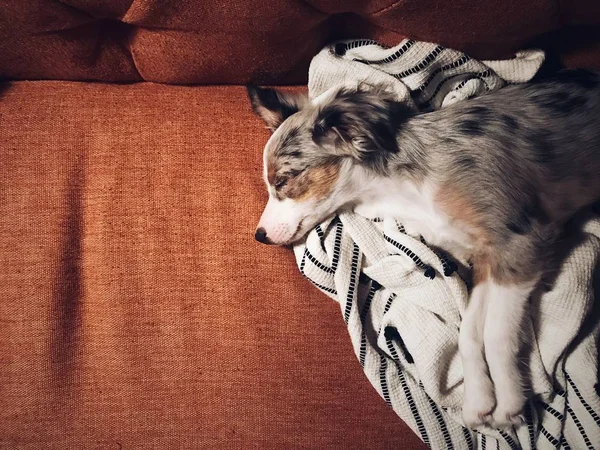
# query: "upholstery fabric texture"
{"type": "Point", "coordinates": [137, 310]}
{"type": "Point", "coordinates": [233, 42]}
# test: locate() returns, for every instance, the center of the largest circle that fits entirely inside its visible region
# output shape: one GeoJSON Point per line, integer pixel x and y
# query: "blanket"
{"type": "Point", "coordinates": [402, 302]}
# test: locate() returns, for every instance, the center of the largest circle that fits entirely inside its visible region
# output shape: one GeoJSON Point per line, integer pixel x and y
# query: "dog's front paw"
{"type": "Point", "coordinates": [478, 405]}
{"type": "Point", "coordinates": [508, 412]}
{"type": "Point", "coordinates": [367, 210]}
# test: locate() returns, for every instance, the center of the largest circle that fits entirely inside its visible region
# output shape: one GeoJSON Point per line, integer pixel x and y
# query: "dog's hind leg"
{"type": "Point", "coordinates": [504, 325]}
{"type": "Point", "coordinates": [479, 400]}
{"type": "Point", "coordinates": [514, 269]}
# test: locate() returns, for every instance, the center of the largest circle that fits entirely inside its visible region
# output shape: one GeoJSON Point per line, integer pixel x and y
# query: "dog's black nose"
{"type": "Point", "coordinates": [261, 235]}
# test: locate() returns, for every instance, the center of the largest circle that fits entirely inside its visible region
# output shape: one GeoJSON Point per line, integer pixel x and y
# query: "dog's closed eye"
{"type": "Point", "coordinates": [280, 183]}
{"type": "Point", "coordinates": [282, 180]}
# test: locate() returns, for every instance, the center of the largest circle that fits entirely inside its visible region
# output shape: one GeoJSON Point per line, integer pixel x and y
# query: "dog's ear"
{"type": "Point", "coordinates": [274, 106]}
{"type": "Point", "coordinates": [360, 123]}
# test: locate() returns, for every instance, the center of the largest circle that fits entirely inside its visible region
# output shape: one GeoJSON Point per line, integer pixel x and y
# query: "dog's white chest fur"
{"type": "Point", "coordinates": [415, 208]}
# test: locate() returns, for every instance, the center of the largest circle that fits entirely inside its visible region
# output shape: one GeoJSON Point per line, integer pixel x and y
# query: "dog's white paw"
{"type": "Point", "coordinates": [508, 412]}
{"type": "Point", "coordinates": [478, 405]}
{"type": "Point", "coordinates": [509, 420]}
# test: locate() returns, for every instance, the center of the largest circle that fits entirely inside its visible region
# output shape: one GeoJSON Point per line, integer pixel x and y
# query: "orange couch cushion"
{"type": "Point", "coordinates": [233, 42]}
{"type": "Point", "coordinates": [137, 311]}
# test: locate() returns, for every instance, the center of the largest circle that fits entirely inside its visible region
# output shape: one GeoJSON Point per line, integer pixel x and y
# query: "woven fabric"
{"type": "Point", "coordinates": [402, 302]}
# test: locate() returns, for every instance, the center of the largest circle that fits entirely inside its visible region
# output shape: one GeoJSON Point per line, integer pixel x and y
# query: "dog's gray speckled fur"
{"type": "Point", "coordinates": [527, 158]}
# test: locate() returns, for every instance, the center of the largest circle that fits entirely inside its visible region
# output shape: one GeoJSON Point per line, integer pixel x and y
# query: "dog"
{"type": "Point", "coordinates": [492, 180]}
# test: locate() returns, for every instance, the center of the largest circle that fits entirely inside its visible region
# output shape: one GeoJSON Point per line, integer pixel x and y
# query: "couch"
{"type": "Point", "coordinates": [136, 309]}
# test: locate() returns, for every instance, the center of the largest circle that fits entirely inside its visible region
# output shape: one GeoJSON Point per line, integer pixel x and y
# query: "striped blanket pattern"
{"type": "Point", "coordinates": [402, 301]}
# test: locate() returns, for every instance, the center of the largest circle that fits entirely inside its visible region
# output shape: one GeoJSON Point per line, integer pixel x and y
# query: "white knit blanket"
{"type": "Point", "coordinates": [402, 302]}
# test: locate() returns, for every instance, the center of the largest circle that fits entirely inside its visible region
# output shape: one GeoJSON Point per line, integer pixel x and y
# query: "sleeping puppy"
{"type": "Point", "coordinates": [492, 180]}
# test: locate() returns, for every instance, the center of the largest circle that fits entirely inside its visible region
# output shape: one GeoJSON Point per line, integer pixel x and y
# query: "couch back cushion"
{"type": "Point", "coordinates": [231, 42]}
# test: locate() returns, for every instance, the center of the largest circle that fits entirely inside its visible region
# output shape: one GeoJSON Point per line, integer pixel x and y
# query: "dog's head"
{"type": "Point", "coordinates": [320, 153]}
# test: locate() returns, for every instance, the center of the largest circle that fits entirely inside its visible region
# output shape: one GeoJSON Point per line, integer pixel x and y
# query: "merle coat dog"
{"type": "Point", "coordinates": [492, 180]}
